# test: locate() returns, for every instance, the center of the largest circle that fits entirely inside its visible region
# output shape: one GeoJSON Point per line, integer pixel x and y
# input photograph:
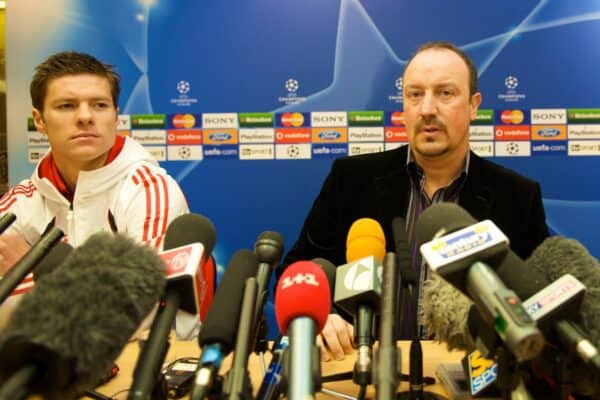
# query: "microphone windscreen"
{"type": "Point", "coordinates": [444, 313]}
{"type": "Point", "coordinates": [441, 219]}
{"type": "Point", "coordinates": [52, 260]}
{"type": "Point", "coordinates": [557, 256]}
{"type": "Point", "coordinates": [365, 238]}
{"type": "Point", "coordinates": [188, 229]}
{"type": "Point", "coordinates": [75, 321]}
{"type": "Point", "coordinates": [220, 325]}
{"type": "Point", "coordinates": [329, 270]}
{"type": "Point", "coordinates": [269, 247]}
{"type": "Point", "coordinates": [302, 291]}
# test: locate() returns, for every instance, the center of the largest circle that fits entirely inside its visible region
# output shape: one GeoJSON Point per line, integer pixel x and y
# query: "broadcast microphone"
{"type": "Point", "coordinates": [218, 334]}
{"type": "Point", "coordinates": [457, 257]}
{"type": "Point", "coordinates": [65, 334]}
{"type": "Point", "coordinates": [181, 292]}
{"type": "Point", "coordinates": [189, 241]}
{"type": "Point", "coordinates": [270, 387]}
{"type": "Point", "coordinates": [302, 303]}
{"type": "Point", "coordinates": [268, 248]}
{"type": "Point", "coordinates": [386, 369]}
{"type": "Point", "coordinates": [28, 262]}
{"type": "Point", "coordinates": [6, 220]}
{"type": "Point", "coordinates": [358, 288]}
{"type": "Point", "coordinates": [52, 260]}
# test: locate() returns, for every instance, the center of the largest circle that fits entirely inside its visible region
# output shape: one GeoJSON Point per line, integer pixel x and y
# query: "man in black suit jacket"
{"type": "Point", "coordinates": [440, 99]}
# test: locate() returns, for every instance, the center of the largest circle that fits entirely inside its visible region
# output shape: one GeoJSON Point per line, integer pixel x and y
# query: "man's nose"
{"type": "Point", "coordinates": [84, 113]}
{"type": "Point", "coordinates": [428, 105]}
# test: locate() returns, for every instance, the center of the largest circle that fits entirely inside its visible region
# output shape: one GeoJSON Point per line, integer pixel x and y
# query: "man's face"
{"type": "Point", "coordinates": [437, 105]}
{"type": "Point", "coordinates": [79, 119]}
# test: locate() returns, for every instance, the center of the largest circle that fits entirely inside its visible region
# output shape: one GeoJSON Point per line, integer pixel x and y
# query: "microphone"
{"type": "Point", "coordinates": [52, 260]}
{"type": "Point", "coordinates": [387, 368]}
{"type": "Point", "coordinates": [218, 333]}
{"type": "Point", "coordinates": [181, 293]}
{"type": "Point", "coordinates": [270, 386]}
{"type": "Point", "coordinates": [28, 262]}
{"type": "Point", "coordinates": [358, 288]}
{"type": "Point", "coordinates": [268, 248]}
{"type": "Point", "coordinates": [458, 256]}
{"type": "Point", "coordinates": [189, 241]}
{"type": "Point", "coordinates": [65, 334]}
{"type": "Point", "coordinates": [6, 220]}
{"type": "Point", "coordinates": [302, 303]}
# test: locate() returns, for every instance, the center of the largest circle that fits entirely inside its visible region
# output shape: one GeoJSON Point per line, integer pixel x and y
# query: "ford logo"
{"type": "Point", "coordinates": [549, 132]}
{"type": "Point", "coordinates": [220, 136]}
{"type": "Point", "coordinates": [329, 135]}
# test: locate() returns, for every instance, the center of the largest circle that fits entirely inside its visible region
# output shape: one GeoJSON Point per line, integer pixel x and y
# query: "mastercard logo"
{"type": "Point", "coordinates": [397, 118]}
{"type": "Point", "coordinates": [184, 121]}
{"type": "Point", "coordinates": [512, 116]}
{"type": "Point", "coordinates": [295, 119]}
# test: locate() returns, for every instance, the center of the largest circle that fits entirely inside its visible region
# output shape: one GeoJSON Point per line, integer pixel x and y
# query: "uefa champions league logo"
{"type": "Point", "coordinates": [292, 85]}
{"type": "Point", "coordinates": [183, 87]}
{"type": "Point", "coordinates": [184, 99]}
{"type": "Point", "coordinates": [511, 82]}
{"type": "Point", "coordinates": [398, 84]}
{"type": "Point", "coordinates": [291, 97]}
{"type": "Point", "coordinates": [511, 95]}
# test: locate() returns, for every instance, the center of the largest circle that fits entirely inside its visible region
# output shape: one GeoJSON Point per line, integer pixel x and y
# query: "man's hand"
{"type": "Point", "coordinates": [336, 338]}
{"type": "Point", "coordinates": [12, 247]}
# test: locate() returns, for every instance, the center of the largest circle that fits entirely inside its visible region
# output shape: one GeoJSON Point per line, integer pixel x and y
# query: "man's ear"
{"type": "Point", "coordinates": [38, 120]}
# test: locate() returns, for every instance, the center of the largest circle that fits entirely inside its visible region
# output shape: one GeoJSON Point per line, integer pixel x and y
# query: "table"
{"type": "Point", "coordinates": [433, 354]}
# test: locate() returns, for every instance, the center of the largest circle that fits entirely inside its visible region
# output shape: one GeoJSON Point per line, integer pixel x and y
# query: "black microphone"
{"type": "Point", "coordinates": [459, 255]}
{"type": "Point", "coordinates": [269, 249]}
{"type": "Point", "coordinates": [408, 281]}
{"type": "Point", "coordinates": [66, 333]}
{"type": "Point", "coordinates": [28, 262]}
{"type": "Point", "coordinates": [6, 220]}
{"type": "Point", "coordinates": [52, 260]}
{"type": "Point", "coordinates": [386, 367]}
{"type": "Point", "coordinates": [185, 229]}
{"type": "Point", "coordinates": [218, 334]}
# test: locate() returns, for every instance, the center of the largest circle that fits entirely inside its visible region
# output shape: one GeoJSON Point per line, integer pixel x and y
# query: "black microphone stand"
{"type": "Point", "coordinates": [416, 380]}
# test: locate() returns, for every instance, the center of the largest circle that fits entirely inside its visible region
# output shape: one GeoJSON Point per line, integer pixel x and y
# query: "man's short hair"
{"type": "Point", "coordinates": [70, 63]}
{"type": "Point", "coordinates": [473, 82]}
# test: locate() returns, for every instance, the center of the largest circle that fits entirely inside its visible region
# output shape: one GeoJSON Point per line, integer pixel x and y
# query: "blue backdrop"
{"type": "Point", "coordinates": [188, 59]}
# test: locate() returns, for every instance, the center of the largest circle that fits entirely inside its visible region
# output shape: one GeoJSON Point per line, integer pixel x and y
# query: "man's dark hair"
{"type": "Point", "coordinates": [70, 63]}
{"type": "Point", "coordinates": [473, 83]}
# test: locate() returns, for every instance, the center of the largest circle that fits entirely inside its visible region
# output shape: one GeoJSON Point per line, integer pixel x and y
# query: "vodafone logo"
{"type": "Point", "coordinates": [295, 119]}
{"type": "Point", "coordinates": [397, 118]}
{"type": "Point", "coordinates": [184, 121]}
{"type": "Point", "coordinates": [512, 117]}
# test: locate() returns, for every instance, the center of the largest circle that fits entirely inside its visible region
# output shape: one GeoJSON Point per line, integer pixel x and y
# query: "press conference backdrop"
{"type": "Point", "coordinates": [247, 103]}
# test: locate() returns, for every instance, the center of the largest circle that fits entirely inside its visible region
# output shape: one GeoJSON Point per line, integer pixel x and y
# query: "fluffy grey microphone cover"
{"type": "Point", "coordinates": [444, 313]}
{"type": "Point", "coordinates": [77, 319]}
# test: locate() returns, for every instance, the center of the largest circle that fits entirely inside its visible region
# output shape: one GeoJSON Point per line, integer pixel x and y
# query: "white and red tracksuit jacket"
{"type": "Point", "coordinates": [130, 194]}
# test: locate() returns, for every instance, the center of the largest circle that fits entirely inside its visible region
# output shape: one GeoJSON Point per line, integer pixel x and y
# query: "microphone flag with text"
{"type": "Point", "coordinates": [302, 304]}
{"type": "Point", "coordinates": [471, 255]}
{"type": "Point", "coordinates": [66, 333]}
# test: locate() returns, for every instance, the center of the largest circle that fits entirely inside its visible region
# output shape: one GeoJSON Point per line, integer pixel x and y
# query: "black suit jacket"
{"type": "Point", "coordinates": [377, 186]}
